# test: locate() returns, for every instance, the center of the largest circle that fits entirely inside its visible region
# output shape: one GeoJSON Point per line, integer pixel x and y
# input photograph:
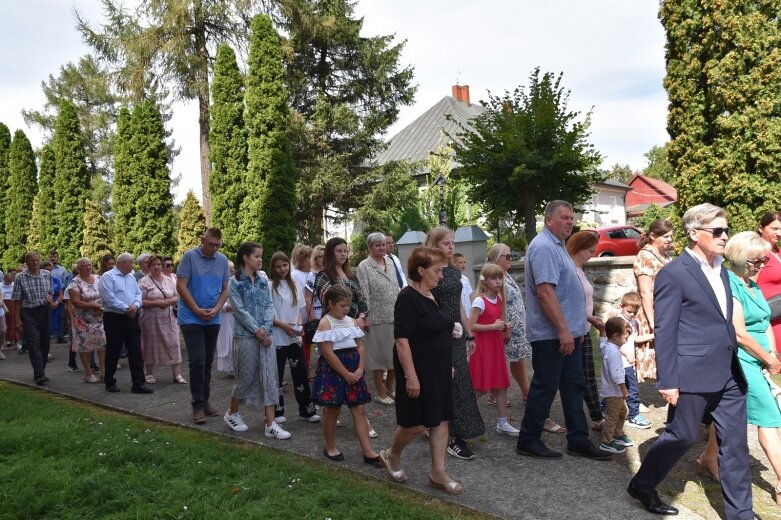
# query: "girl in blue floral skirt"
{"type": "Point", "coordinates": [340, 373]}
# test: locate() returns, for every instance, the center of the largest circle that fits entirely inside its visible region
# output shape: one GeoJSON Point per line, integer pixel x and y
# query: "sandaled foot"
{"type": "Point", "coordinates": [451, 488]}
{"type": "Point", "coordinates": [179, 379]}
{"type": "Point", "coordinates": [395, 475]}
{"type": "Point", "coordinates": [552, 427]}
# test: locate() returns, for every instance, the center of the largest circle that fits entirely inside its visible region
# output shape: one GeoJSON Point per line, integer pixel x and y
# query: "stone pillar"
{"type": "Point", "coordinates": [471, 241]}
{"type": "Point", "coordinates": [409, 241]}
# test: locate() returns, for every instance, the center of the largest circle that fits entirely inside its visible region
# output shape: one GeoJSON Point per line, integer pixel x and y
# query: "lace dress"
{"type": "Point", "coordinates": [467, 423]}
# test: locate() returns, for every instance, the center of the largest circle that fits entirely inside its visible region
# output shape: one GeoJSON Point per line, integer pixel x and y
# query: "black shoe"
{"type": "Point", "coordinates": [72, 368]}
{"type": "Point", "coordinates": [536, 449]}
{"type": "Point", "coordinates": [460, 450]}
{"type": "Point", "coordinates": [376, 461]}
{"type": "Point", "coordinates": [112, 388]}
{"type": "Point", "coordinates": [588, 451]}
{"type": "Point", "coordinates": [41, 380]}
{"type": "Point", "coordinates": [60, 339]}
{"type": "Point", "coordinates": [338, 457]}
{"type": "Point", "coordinates": [141, 389]}
{"type": "Point", "coordinates": [651, 501]}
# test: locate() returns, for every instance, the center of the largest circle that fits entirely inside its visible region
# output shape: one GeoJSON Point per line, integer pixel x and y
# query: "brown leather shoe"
{"type": "Point", "coordinates": [199, 416]}
{"type": "Point", "coordinates": [211, 411]}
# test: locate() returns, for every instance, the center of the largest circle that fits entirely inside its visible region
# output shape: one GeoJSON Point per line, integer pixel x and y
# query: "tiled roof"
{"type": "Point", "coordinates": [416, 141]}
{"type": "Point", "coordinates": [613, 183]}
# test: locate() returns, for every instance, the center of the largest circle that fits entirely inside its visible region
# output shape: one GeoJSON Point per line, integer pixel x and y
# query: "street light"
{"type": "Point", "coordinates": [440, 181]}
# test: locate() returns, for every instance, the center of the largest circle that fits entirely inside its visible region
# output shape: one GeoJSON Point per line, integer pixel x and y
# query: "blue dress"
{"type": "Point", "coordinates": [760, 404]}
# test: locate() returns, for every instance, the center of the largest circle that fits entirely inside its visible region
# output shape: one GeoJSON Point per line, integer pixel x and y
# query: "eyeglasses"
{"type": "Point", "coordinates": [508, 256]}
{"type": "Point", "coordinates": [168, 265]}
{"type": "Point", "coordinates": [715, 231]}
{"type": "Point", "coordinates": [215, 245]}
{"type": "Point", "coordinates": [758, 261]}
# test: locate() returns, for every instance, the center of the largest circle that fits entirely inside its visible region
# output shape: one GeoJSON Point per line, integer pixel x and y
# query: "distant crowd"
{"type": "Point", "coordinates": [419, 338]}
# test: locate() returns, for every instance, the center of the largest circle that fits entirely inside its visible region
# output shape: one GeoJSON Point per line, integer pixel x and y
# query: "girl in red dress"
{"type": "Point", "coordinates": [487, 366]}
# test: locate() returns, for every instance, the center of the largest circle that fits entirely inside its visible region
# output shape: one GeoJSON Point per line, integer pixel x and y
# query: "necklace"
{"type": "Point", "coordinates": [427, 294]}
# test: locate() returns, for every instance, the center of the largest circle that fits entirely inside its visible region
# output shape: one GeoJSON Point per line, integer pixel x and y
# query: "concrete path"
{"type": "Point", "coordinates": [497, 481]}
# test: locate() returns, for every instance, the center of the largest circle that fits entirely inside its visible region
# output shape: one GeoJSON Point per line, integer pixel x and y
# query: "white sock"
{"type": "Point", "coordinates": [502, 420]}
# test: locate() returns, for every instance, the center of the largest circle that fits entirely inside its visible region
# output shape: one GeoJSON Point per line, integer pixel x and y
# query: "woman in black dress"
{"type": "Point", "coordinates": [421, 359]}
{"type": "Point", "coordinates": [467, 422]}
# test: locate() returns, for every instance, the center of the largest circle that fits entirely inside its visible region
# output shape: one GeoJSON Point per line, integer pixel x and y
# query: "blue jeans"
{"type": "Point", "coordinates": [633, 400]}
{"type": "Point", "coordinates": [201, 343]}
{"type": "Point", "coordinates": [553, 371]}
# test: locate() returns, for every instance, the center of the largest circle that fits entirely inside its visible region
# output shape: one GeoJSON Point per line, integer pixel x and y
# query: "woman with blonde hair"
{"type": "Point", "coordinates": [467, 422]}
{"type": "Point", "coordinates": [582, 247]}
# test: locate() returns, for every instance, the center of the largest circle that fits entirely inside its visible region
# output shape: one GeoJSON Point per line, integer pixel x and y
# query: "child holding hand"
{"type": "Point", "coordinates": [613, 387]}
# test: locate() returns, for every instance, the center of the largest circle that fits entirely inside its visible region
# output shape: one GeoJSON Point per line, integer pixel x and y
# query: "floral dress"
{"type": "Point", "coordinates": [647, 263]}
{"type": "Point", "coordinates": [467, 423]}
{"type": "Point", "coordinates": [518, 347]}
{"type": "Point", "coordinates": [329, 387]}
{"type": "Point", "coordinates": [88, 334]}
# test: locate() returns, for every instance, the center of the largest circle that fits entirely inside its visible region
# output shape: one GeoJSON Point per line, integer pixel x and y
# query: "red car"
{"type": "Point", "coordinates": [618, 240]}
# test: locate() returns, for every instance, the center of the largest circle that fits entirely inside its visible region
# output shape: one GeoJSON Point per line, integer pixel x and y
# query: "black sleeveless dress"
{"type": "Point", "coordinates": [467, 422]}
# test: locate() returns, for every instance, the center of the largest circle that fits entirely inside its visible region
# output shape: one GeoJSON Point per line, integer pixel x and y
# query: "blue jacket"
{"type": "Point", "coordinates": [253, 307]}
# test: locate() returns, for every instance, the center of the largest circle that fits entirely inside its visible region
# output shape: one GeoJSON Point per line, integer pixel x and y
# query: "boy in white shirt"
{"type": "Point", "coordinates": [630, 305]}
{"type": "Point", "coordinates": [613, 387]}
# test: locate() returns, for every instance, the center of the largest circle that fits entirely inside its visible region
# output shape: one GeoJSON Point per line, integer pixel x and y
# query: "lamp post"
{"type": "Point", "coordinates": [440, 181]}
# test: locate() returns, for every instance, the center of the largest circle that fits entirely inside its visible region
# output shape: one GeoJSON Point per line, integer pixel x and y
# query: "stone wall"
{"type": "Point", "coordinates": [611, 278]}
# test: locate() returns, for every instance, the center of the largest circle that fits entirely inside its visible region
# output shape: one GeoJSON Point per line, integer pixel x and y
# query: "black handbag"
{"type": "Point", "coordinates": [310, 327]}
{"type": "Point", "coordinates": [774, 302]}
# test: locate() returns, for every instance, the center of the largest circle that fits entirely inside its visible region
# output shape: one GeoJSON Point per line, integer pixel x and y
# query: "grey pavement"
{"type": "Point", "coordinates": [498, 481]}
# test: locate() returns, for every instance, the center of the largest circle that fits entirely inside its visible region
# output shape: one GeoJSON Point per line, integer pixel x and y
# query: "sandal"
{"type": "Point", "coordinates": [150, 379]}
{"type": "Point", "coordinates": [556, 428]}
{"type": "Point", "coordinates": [492, 402]}
{"type": "Point", "coordinates": [179, 379]}
{"type": "Point", "coordinates": [398, 475]}
{"type": "Point", "coordinates": [451, 488]}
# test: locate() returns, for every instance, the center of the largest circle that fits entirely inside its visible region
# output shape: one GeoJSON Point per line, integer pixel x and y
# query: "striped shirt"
{"type": "Point", "coordinates": [31, 290]}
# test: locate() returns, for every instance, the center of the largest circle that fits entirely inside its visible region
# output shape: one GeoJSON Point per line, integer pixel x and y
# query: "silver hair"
{"type": "Point", "coordinates": [125, 256]}
{"type": "Point", "coordinates": [700, 216]}
{"type": "Point", "coordinates": [552, 207]}
{"type": "Point", "coordinates": [493, 252]}
{"type": "Point", "coordinates": [375, 238]}
{"type": "Point", "coordinates": [83, 260]}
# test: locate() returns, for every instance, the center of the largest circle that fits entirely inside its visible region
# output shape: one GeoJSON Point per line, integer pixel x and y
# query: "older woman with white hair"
{"type": "Point", "coordinates": [88, 334]}
{"type": "Point", "coordinates": [377, 276]}
{"type": "Point", "coordinates": [748, 253]}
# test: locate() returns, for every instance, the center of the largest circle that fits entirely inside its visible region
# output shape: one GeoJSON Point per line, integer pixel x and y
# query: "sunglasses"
{"type": "Point", "coordinates": [168, 265]}
{"type": "Point", "coordinates": [715, 231]}
{"type": "Point", "coordinates": [758, 261]}
{"type": "Point", "coordinates": [508, 256]}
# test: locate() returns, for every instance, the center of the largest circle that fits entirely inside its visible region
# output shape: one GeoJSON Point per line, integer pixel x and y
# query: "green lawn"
{"type": "Point", "coordinates": [61, 459]}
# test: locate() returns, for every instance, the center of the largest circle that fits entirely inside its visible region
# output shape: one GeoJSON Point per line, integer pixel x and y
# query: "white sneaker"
{"type": "Point", "coordinates": [235, 422]}
{"type": "Point", "coordinates": [506, 428]}
{"type": "Point", "coordinates": [312, 418]}
{"type": "Point", "coordinates": [276, 431]}
{"type": "Point", "coordinates": [281, 419]}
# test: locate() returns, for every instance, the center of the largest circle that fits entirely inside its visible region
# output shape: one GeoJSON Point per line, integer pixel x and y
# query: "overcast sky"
{"type": "Point", "coordinates": [610, 51]}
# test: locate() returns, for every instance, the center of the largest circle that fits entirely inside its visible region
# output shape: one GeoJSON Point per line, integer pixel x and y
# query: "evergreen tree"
{"type": "Point", "coordinates": [724, 117]}
{"type": "Point", "coordinates": [658, 166]}
{"type": "Point", "coordinates": [124, 192]}
{"type": "Point", "coordinates": [228, 147]}
{"type": "Point", "coordinates": [95, 239]}
{"type": "Point", "coordinates": [43, 227]}
{"type": "Point", "coordinates": [152, 228]}
{"type": "Point", "coordinates": [346, 90]}
{"type": "Point", "coordinates": [192, 224]}
{"type": "Point", "coordinates": [22, 186]}
{"type": "Point", "coordinates": [5, 145]}
{"type": "Point", "coordinates": [268, 211]}
{"type": "Point", "coordinates": [71, 182]}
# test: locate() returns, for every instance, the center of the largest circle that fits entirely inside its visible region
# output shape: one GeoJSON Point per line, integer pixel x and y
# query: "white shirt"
{"type": "Point", "coordinates": [286, 312]}
{"type": "Point", "coordinates": [399, 270]}
{"type": "Point", "coordinates": [713, 274]}
{"type": "Point", "coordinates": [466, 293]}
{"type": "Point", "coordinates": [479, 303]}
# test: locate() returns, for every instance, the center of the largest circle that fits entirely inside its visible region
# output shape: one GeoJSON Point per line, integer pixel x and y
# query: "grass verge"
{"type": "Point", "coordinates": [62, 459]}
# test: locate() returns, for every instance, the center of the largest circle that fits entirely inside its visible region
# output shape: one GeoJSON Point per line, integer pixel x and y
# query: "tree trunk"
{"type": "Point", "coordinates": [530, 215]}
{"type": "Point", "coordinates": [202, 80]}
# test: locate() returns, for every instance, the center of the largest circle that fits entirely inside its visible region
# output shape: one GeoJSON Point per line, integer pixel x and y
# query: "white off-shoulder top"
{"type": "Point", "coordinates": [342, 334]}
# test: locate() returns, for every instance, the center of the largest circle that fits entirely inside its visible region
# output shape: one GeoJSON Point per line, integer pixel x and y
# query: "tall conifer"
{"type": "Point", "coordinates": [71, 183]}
{"type": "Point", "coordinates": [192, 224]}
{"type": "Point", "coordinates": [122, 196]}
{"type": "Point", "coordinates": [5, 145]}
{"type": "Point", "coordinates": [43, 227]}
{"type": "Point", "coordinates": [22, 186]}
{"type": "Point", "coordinates": [95, 238]}
{"type": "Point", "coordinates": [269, 208]}
{"type": "Point", "coordinates": [228, 147]}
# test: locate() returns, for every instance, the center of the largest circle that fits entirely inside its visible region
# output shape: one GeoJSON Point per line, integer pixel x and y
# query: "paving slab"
{"type": "Point", "coordinates": [498, 481]}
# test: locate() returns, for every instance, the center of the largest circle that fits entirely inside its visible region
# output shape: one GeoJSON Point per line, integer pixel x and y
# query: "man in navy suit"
{"type": "Point", "coordinates": [698, 372]}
